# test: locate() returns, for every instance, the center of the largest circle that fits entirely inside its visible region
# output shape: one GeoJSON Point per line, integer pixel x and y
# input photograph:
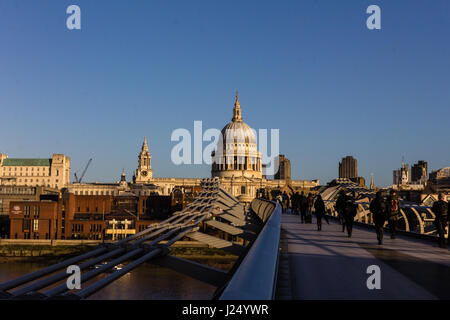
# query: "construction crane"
{"type": "Point", "coordinates": [78, 180]}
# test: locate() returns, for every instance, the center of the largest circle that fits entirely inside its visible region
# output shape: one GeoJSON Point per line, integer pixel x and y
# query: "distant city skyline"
{"type": "Point", "coordinates": [311, 69]}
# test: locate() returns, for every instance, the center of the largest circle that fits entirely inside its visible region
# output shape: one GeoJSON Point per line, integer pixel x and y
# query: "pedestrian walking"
{"type": "Point", "coordinates": [303, 205]}
{"type": "Point", "coordinates": [340, 207]}
{"type": "Point", "coordinates": [296, 203]}
{"type": "Point", "coordinates": [394, 210]}
{"type": "Point", "coordinates": [379, 209]}
{"type": "Point", "coordinates": [308, 217]}
{"type": "Point", "coordinates": [349, 213]}
{"type": "Point", "coordinates": [319, 207]}
{"type": "Point", "coordinates": [441, 210]}
{"type": "Point", "coordinates": [285, 201]}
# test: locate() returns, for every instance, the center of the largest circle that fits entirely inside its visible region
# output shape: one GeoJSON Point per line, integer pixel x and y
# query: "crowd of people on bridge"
{"type": "Point", "coordinates": [383, 209]}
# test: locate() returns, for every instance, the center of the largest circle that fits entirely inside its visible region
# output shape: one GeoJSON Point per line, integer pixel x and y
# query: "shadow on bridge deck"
{"type": "Point", "coordinates": [328, 265]}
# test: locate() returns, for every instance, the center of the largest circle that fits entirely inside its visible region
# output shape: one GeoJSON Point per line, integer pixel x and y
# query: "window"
{"type": "Point", "coordinates": [25, 225]}
{"type": "Point", "coordinates": [243, 190]}
{"type": "Point", "coordinates": [35, 225]}
{"type": "Point", "coordinates": [36, 211]}
{"type": "Point", "coordinates": [26, 211]}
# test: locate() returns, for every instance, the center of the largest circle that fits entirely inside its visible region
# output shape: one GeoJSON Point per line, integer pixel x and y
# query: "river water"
{"type": "Point", "coordinates": [146, 282]}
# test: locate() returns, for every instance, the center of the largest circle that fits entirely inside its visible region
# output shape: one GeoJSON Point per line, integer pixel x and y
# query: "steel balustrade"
{"type": "Point", "coordinates": [418, 219]}
{"type": "Point", "coordinates": [257, 274]}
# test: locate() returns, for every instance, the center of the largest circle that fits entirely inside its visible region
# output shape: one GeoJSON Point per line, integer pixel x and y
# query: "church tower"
{"type": "Point", "coordinates": [144, 171]}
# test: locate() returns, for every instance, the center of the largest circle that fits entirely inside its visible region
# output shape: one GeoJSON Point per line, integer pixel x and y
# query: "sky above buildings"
{"type": "Point", "coordinates": [145, 68]}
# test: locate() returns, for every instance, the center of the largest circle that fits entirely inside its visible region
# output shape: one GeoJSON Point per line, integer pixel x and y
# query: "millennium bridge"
{"type": "Point", "coordinates": [277, 256]}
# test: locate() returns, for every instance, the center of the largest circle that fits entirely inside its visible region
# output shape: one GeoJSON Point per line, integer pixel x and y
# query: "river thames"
{"type": "Point", "coordinates": [146, 282]}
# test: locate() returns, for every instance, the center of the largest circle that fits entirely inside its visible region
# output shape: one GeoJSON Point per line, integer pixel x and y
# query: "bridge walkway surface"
{"type": "Point", "coordinates": [328, 265]}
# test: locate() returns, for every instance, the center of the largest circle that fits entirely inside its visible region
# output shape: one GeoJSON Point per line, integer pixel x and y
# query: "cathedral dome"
{"type": "Point", "coordinates": [237, 154]}
{"type": "Point", "coordinates": [237, 131]}
{"type": "Point", "coordinates": [240, 131]}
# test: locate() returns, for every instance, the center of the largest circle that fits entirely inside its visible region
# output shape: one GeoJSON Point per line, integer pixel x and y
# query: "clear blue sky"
{"type": "Point", "coordinates": [144, 68]}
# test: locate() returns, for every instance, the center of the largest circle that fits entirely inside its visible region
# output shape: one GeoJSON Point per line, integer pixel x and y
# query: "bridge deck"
{"type": "Point", "coordinates": [328, 265]}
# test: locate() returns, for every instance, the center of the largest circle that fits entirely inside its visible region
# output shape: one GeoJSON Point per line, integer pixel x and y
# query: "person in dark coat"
{"type": "Point", "coordinates": [319, 207]}
{"type": "Point", "coordinates": [379, 209]}
{"type": "Point", "coordinates": [296, 203]}
{"type": "Point", "coordinates": [285, 202]}
{"type": "Point", "coordinates": [310, 200]}
{"type": "Point", "coordinates": [440, 209]}
{"type": "Point", "coordinates": [340, 206]}
{"type": "Point", "coordinates": [303, 206]}
{"type": "Point", "coordinates": [394, 211]}
{"type": "Point", "coordinates": [350, 211]}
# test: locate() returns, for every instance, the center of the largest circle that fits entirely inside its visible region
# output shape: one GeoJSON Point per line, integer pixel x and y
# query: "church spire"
{"type": "Point", "coordinates": [237, 113]}
{"type": "Point", "coordinates": [123, 176]}
{"type": "Point", "coordinates": [144, 145]}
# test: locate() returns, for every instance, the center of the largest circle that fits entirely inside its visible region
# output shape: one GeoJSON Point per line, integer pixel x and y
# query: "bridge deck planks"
{"type": "Point", "coordinates": [328, 265]}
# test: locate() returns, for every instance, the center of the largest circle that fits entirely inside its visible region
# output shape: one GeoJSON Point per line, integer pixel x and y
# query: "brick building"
{"type": "Point", "coordinates": [34, 219]}
{"type": "Point", "coordinates": [94, 217]}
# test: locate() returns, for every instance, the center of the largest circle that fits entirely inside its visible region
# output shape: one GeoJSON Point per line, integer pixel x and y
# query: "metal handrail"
{"type": "Point", "coordinates": [256, 277]}
{"type": "Point", "coordinates": [406, 232]}
{"type": "Point", "coordinates": [401, 205]}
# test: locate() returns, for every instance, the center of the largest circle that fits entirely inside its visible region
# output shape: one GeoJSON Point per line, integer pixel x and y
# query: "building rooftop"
{"type": "Point", "coordinates": [16, 162]}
